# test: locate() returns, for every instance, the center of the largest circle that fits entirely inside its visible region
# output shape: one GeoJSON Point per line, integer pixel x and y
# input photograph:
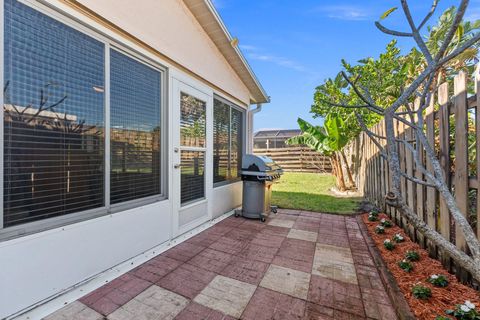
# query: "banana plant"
{"type": "Point", "coordinates": [328, 140]}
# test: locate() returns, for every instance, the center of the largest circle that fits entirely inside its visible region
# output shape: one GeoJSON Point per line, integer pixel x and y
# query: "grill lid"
{"type": "Point", "coordinates": [260, 166]}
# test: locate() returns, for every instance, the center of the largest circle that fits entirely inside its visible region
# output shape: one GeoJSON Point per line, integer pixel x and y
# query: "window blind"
{"type": "Point", "coordinates": [53, 117]}
{"type": "Point", "coordinates": [135, 129]}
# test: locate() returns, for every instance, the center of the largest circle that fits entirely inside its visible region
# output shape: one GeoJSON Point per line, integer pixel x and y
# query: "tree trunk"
{"type": "Point", "coordinates": [349, 172]}
{"type": "Point", "coordinates": [338, 172]}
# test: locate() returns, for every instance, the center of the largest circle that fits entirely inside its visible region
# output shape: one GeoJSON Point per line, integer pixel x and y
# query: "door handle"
{"type": "Point", "coordinates": [177, 166]}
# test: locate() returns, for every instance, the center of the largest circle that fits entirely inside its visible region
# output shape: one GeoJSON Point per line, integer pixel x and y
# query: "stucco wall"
{"type": "Point", "coordinates": [169, 27]}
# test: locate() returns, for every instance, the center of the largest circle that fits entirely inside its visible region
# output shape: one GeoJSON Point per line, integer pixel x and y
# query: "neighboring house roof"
{"type": "Point", "coordinates": [211, 22]}
{"type": "Point", "coordinates": [272, 134]}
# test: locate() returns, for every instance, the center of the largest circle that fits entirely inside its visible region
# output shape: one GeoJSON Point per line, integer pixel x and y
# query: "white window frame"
{"type": "Point", "coordinates": [244, 132]}
{"type": "Point", "coordinates": [109, 44]}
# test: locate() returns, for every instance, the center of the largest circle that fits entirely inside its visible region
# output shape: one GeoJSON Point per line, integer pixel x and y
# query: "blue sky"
{"type": "Point", "coordinates": [293, 45]}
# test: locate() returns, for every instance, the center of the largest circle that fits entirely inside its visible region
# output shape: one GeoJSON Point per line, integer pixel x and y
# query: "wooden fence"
{"type": "Point", "coordinates": [452, 126]}
{"type": "Point", "coordinates": [298, 159]}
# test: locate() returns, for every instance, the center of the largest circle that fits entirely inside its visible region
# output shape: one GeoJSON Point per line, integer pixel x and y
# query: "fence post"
{"type": "Point", "coordinates": [431, 192]}
{"type": "Point", "coordinates": [444, 135]}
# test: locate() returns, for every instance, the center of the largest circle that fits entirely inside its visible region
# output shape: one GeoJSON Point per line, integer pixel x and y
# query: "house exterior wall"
{"type": "Point", "coordinates": [38, 267]}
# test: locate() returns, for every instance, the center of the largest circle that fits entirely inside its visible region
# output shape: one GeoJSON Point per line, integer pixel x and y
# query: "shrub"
{"type": "Point", "coordinates": [386, 223]}
{"type": "Point", "coordinates": [374, 212]}
{"type": "Point", "coordinates": [465, 311]}
{"type": "Point", "coordinates": [406, 265]}
{"type": "Point", "coordinates": [442, 318]}
{"type": "Point", "coordinates": [398, 238]}
{"type": "Point", "coordinates": [372, 217]}
{"type": "Point", "coordinates": [379, 229]}
{"type": "Point", "coordinates": [389, 245]}
{"type": "Point", "coordinates": [421, 292]}
{"type": "Point", "coordinates": [438, 280]}
{"type": "Point", "coordinates": [412, 255]}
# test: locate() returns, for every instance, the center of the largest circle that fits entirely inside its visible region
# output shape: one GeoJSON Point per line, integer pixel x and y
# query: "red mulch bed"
{"type": "Point", "coordinates": [442, 298]}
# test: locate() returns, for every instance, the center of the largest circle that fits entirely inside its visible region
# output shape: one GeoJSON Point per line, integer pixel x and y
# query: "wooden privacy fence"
{"type": "Point", "coordinates": [452, 126]}
{"type": "Point", "coordinates": [298, 159]}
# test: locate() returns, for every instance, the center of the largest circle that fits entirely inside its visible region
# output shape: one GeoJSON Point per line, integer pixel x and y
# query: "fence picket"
{"type": "Point", "coordinates": [461, 152]}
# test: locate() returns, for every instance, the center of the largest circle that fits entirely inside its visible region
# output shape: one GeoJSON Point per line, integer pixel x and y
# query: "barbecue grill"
{"type": "Point", "coordinates": [258, 175]}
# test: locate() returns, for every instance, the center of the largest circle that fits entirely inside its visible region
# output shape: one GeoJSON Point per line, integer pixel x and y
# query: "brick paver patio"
{"type": "Point", "coordinates": [297, 265]}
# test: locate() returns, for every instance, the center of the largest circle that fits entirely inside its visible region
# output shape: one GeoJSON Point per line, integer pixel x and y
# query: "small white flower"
{"type": "Point", "coordinates": [434, 276]}
{"type": "Point", "coordinates": [404, 260]}
{"type": "Point", "coordinates": [464, 308]}
{"type": "Point", "coordinates": [387, 241]}
{"type": "Point", "coordinates": [469, 305]}
{"type": "Point", "coordinates": [383, 220]}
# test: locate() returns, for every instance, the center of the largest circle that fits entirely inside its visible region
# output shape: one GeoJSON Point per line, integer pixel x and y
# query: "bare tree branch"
{"type": "Point", "coordinates": [415, 180]}
{"type": "Point", "coordinates": [429, 15]}
{"type": "Point", "coordinates": [371, 103]}
{"type": "Point", "coordinates": [416, 34]}
{"type": "Point", "coordinates": [392, 32]}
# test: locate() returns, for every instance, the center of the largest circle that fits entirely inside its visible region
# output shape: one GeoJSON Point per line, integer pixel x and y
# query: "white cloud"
{"type": "Point", "coordinates": [255, 53]}
{"type": "Point", "coordinates": [344, 12]}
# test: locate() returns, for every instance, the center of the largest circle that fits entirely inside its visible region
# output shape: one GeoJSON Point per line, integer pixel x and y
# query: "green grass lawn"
{"type": "Point", "coordinates": [311, 192]}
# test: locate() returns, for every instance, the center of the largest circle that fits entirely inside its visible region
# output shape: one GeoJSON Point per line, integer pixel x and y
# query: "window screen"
{"type": "Point", "coordinates": [192, 176]}
{"type": "Point", "coordinates": [192, 121]}
{"type": "Point", "coordinates": [53, 118]}
{"type": "Point", "coordinates": [135, 129]}
{"type": "Point", "coordinates": [228, 142]}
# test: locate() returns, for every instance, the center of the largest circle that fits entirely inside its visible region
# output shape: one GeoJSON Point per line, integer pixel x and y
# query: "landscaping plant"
{"type": "Point", "coordinates": [412, 255]}
{"type": "Point", "coordinates": [465, 311]}
{"type": "Point", "coordinates": [386, 223]}
{"type": "Point", "coordinates": [438, 280]}
{"type": "Point", "coordinates": [386, 90]}
{"type": "Point", "coordinates": [389, 245]}
{"type": "Point", "coordinates": [398, 238]}
{"type": "Point", "coordinates": [380, 229]}
{"type": "Point", "coordinates": [371, 217]}
{"type": "Point", "coordinates": [421, 292]}
{"type": "Point", "coordinates": [406, 265]}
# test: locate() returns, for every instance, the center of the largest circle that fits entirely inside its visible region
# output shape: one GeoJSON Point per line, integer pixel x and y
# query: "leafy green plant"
{"type": "Point", "coordinates": [442, 318]}
{"type": "Point", "coordinates": [421, 292]}
{"type": "Point", "coordinates": [398, 238]}
{"type": "Point", "coordinates": [465, 311]}
{"type": "Point", "coordinates": [386, 223]}
{"type": "Point", "coordinates": [379, 229]}
{"type": "Point", "coordinates": [412, 255]}
{"type": "Point", "coordinates": [375, 212]}
{"type": "Point", "coordinates": [389, 245]}
{"type": "Point", "coordinates": [438, 280]}
{"type": "Point", "coordinates": [406, 265]}
{"type": "Point", "coordinates": [372, 217]}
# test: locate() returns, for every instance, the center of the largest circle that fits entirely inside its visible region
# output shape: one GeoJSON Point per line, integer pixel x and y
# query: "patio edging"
{"type": "Point", "coordinates": [399, 303]}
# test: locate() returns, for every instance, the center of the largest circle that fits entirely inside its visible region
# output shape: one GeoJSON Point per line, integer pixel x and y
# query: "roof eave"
{"type": "Point", "coordinates": [240, 63]}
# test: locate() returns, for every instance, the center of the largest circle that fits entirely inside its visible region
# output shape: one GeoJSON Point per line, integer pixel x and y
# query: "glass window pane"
{"type": "Point", "coordinates": [192, 121]}
{"type": "Point", "coordinates": [54, 118]}
{"type": "Point", "coordinates": [192, 176]}
{"type": "Point", "coordinates": [236, 144]}
{"type": "Point", "coordinates": [135, 129]}
{"type": "Point", "coordinates": [221, 128]}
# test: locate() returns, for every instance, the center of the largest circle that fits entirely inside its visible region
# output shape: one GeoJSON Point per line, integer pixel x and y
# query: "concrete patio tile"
{"type": "Point", "coordinates": [228, 245]}
{"type": "Point", "coordinates": [267, 304]}
{"type": "Point", "coordinates": [334, 263]}
{"type": "Point", "coordinates": [75, 311]}
{"type": "Point", "coordinates": [379, 311]}
{"type": "Point", "coordinates": [240, 234]}
{"type": "Point", "coordinates": [302, 235]}
{"type": "Point", "coordinates": [187, 280]}
{"type": "Point", "coordinates": [211, 260]}
{"type": "Point", "coordinates": [153, 303]}
{"type": "Point", "coordinates": [297, 249]}
{"type": "Point", "coordinates": [184, 251]}
{"type": "Point", "coordinates": [336, 295]}
{"type": "Point", "coordinates": [306, 226]}
{"type": "Point", "coordinates": [156, 268]}
{"type": "Point", "coordinates": [252, 225]}
{"type": "Point", "coordinates": [304, 265]}
{"type": "Point", "coordinates": [258, 252]}
{"type": "Point", "coordinates": [245, 270]}
{"type": "Point", "coordinates": [281, 223]}
{"type": "Point", "coordinates": [205, 238]}
{"type": "Point", "coordinates": [195, 311]}
{"type": "Point", "coordinates": [286, 280]}
{"type": "Point", "coordinates": [226, 295]}
{"type": "Point", "coordinates": [268, 240]}
{"type": "Point", "coordinates": [275, 231]}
